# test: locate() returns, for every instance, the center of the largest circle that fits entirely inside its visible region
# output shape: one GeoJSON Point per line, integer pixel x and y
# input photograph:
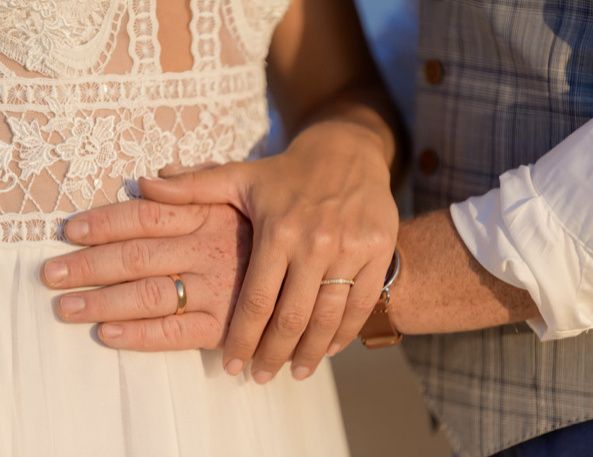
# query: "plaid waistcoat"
{"type": "Point", "coordinates": [500, 83]}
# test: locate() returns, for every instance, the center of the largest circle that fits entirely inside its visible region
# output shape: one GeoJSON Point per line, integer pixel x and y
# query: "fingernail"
{"type": "Point", "coordinates": [300, 373]}
{"type": "Point", "coordinates": [54, 272]}
{"type": "Point", "coordinates": [77, 229]}
{"type": "Point", "coordinates": [71, 305]}
{"type": "Point", "coordinates": [111, 330]}
{"type": "Point", "coordinates": [234, 367]}
{"type": "Point", "coordinates": [153, 178]}
{"type": "Point", "coordinates": [262, 377]}
{"type": "Point", "coordinates": [333, 349]}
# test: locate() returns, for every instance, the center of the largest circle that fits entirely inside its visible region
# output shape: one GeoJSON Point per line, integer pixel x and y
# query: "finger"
{"type": "Point", "coordinates": [255, 305]}
{"type": "Point", "coordinates": [360, 303]}
{"type": "Point", "coordinates": [175, 169]}
{"type": "Point", "coordinates": [134, 219]}
{"type": "Point", "coordinates": [170, 333]}
{"type": "Point", "coordinates": [325, 321]}
{"type": "Point", "coordinates": [145, 298]}
{"type": "Point", "coordinates": [219, 184]}
{"type": "Point", "coordinates": [124, 261]}
{"type": "Point", "coordinates": [289, 321]}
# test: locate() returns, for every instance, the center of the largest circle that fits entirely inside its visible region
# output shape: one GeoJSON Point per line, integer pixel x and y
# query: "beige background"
{"type": "Point", "coordinates": [383, 411]}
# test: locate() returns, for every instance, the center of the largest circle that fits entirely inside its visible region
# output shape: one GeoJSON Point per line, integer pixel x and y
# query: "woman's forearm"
{"type": "Point", "coordinates": [320, 69]}
{"type": "Point", "coordinates": [363, 112]}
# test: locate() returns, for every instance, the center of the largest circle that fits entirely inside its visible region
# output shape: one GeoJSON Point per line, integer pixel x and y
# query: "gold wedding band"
{"type": "Point", "coordinates": [181, 294]}
{"type": "Point", "coordinates": [337, 281]}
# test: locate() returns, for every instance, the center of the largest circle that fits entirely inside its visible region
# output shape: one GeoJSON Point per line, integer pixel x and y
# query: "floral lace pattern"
{"type": "Point", "coordinates": [45, 35]}
{"type": "Point", "coordinates": [246, 20]}
{"type": "Point", "coordinates": [79, 137]}
{"type": "Point", "coordinates": [99, 152]}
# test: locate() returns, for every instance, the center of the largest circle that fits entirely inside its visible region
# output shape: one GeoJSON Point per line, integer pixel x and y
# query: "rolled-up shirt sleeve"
{"type": "Point", "coordinates": [536, 233]}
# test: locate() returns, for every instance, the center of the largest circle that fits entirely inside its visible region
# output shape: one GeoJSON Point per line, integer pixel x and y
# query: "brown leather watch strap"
{"type": "Point", "coordinates": [378, 332]}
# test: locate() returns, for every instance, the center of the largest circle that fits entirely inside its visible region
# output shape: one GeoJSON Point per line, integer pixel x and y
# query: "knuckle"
{"type": "Point", "coordinates": [309, 357]}
{"type": "Point", "coordinates": [350, 243]}
{"type": "Point", "coordinates": [173, 331]}
{"type": "Point", "coordinates": [135, 256]}
{"type": "Point", "coordinates": [257, 304]}
{"type": "Point", "coordinates": [282, 232]}
{"type": "Point", "coordinates": [291, 322]}
{"type": "Point", "coordinates": [322, 240]}
{"type": "Point", "coordinates": [193, 177]}
{"type": "Point", "coordinates": [271, 361]}
{"type": "Point", "coordinates": [97, 304]}
{"type": "Point", "coordinates": [212, 332]}
{"type": "Point", "coordinates": [82, 266]}
{"type": "Point", "coordinates": [199, 214]}
{"type": "Point", "coordinates": [360, 306]}
{"type": "Point", "coordinates": [326, 320]}
{"type": "Point", "coordinates": [142, 335]}
{"type": "Point", "coordinates": [381, 240]}
{"type": "Point", "coordinates": [239, 346]}
{"type": "Point", "coordinates": [148, 214]}
{"type": "Point", "coordinates": [149, 295]}
{"type": "Point", "coordinates": [100, 222]}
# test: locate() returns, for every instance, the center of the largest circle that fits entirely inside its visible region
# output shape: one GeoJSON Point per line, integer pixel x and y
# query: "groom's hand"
{"type": "Point", "coordinates": [135, 246]}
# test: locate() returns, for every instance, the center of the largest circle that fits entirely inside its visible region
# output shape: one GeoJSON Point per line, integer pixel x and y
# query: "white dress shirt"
{"type": "Point", "coordinates": [536, 233]}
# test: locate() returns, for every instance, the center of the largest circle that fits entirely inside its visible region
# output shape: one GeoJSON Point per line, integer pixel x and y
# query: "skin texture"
{"type": "Point", "coordinates": [323, 208]}
{"type": "Point", "coordinates": [174, 36]}
{"type": "Point", "coordinates": [210, 244]}
{"type": "Point", "coordinates": [340, 224]}
{"type": "Point", "coordinates": [442, 288]}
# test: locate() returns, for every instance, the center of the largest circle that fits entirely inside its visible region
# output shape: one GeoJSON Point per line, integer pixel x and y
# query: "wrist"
{"type": "Point", "coordinates": [350, 138]}
{"type": "Point", "coordinates": [362, 110]}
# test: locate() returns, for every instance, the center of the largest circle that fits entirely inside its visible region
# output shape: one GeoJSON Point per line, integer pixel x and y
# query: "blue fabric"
{"type": "Point", "coordinates": [574, 441]}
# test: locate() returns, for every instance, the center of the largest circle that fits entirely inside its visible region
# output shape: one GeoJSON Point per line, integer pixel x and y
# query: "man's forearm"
{"type": "Point", "coordinates": [442, 288]}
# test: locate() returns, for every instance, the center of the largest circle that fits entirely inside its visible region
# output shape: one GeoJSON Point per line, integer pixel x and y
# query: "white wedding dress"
{"type": "Point", "coordinates": [85, 109]}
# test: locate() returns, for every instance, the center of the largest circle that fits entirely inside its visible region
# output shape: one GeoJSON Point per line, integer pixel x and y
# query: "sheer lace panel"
{"type": "Point", "coordinates": [85, 108]}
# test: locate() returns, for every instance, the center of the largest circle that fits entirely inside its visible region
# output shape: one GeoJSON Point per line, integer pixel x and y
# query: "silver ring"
{"type": "Point", "coordinates": [337, 281]}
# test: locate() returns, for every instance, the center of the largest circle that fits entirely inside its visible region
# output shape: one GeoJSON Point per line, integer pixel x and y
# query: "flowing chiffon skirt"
{"type": "Point", "coordinates": [63, 394]}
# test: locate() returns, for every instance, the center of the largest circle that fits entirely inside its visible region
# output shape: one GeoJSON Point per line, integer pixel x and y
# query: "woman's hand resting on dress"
{"type": "Point", "coordinates": [322, 209]}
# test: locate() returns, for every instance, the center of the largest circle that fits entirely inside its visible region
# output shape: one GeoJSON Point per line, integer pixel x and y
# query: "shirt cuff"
{"type": "Point", "coordinates": [514, 234]}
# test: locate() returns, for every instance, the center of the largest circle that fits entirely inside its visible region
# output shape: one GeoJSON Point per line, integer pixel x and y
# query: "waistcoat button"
{"type": "Point", "coordinates": [428, 162]}
{"type": "Point", "coordinates": [434, 72]}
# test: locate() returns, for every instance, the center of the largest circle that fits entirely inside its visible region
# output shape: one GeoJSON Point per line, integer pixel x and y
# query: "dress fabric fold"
{"type": "Point", "coordinates": [63, 394]}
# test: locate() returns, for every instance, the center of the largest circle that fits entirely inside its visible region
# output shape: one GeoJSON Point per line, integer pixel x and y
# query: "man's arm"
{"type": "Point", "coordinates": [442, 288]}
{"type": "Point", "coordinates": [535, 232]}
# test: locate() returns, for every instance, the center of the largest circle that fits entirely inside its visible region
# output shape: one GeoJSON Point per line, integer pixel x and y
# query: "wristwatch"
{"type": "Point", "coordinates": [378, 331]}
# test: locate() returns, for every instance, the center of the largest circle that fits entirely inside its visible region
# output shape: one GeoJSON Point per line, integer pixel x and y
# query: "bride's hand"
{"type": "Point", "coordinates": [323, 209]}
{"type": "Point", "coordinates": [136, 245]}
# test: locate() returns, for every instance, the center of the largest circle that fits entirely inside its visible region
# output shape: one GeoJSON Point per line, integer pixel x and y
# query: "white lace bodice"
{"type": "Point", "coordinates": [85, 108]}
